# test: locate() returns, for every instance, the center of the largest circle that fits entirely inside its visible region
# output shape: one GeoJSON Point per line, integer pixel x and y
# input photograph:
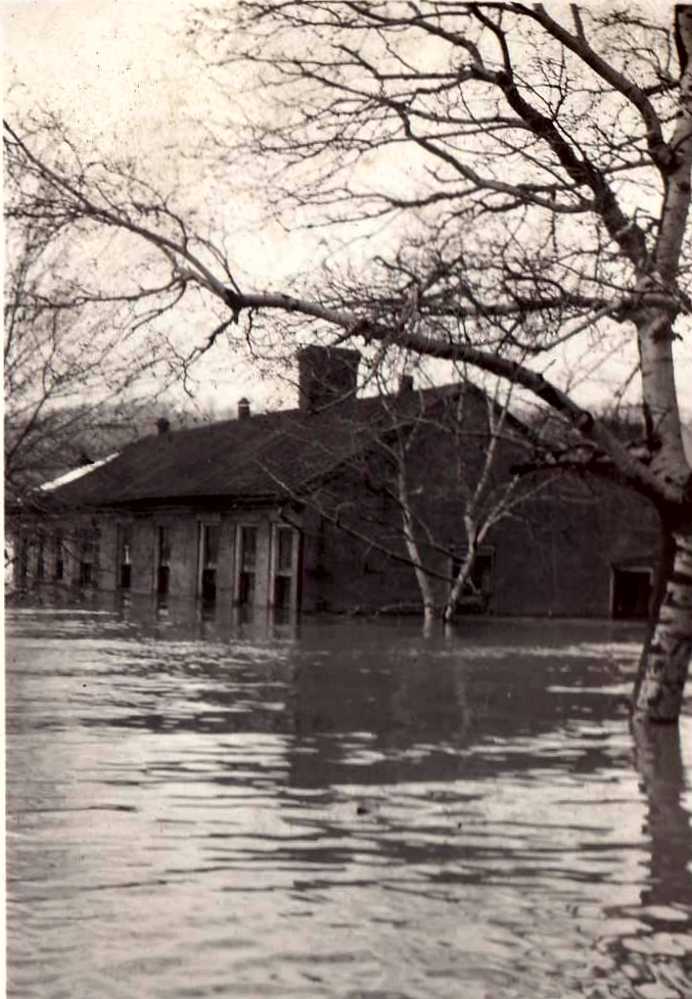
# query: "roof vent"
{"type": "Point", "coordinates": [243, 409]}
{"type": "Point", "coordinates": [163, 425]}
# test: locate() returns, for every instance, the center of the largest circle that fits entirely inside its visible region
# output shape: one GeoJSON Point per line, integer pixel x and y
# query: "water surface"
{"type": "Point", "coordinates": [347, 809]}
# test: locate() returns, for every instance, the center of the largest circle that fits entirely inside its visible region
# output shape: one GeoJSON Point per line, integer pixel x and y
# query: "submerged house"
{"type": "Point", "coordinates": [294, 510]}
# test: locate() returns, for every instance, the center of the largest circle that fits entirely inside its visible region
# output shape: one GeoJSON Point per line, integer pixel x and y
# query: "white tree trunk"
{"type": "Point", "coordinates": [412, 550]}
{"type": "Point", "coordinates": [667, 655]}
{"type": "Point", "coordinates": [462, 578]}
{"type": "Point", "coordinates": [665, 661]}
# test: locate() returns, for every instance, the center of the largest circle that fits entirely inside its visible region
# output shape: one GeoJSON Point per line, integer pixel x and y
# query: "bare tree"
{"type": "Point", "coordinates": [478, 448]}
{"type": "Point", "coordinates": [535, 172]}
{"type": "Point", "coordinates": [421, 477]}
{"type": "Point", "coordinates": [72, 381]}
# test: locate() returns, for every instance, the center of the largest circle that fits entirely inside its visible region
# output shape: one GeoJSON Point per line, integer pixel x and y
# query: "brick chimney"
{"type": "Point", "coordinates": [327, 375]}
{"type": "Point", "coordinates": [243, 409]}
{"type": "Point", "coordinates": [163, 425]}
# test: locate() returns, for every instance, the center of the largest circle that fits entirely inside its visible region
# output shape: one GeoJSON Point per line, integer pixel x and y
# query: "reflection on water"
{"type": "Point", "coordinates": [212, 807]}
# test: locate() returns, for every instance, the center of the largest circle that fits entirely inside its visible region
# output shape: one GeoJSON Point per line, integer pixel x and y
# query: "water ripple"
{"type": "Point", "coordinates": [352, 812]}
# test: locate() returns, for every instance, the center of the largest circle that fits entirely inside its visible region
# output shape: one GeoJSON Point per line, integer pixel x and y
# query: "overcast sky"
{"type": "Point", "coordinates": [120, 73]}
{"type": "Point", "coordinates": [119, 66]}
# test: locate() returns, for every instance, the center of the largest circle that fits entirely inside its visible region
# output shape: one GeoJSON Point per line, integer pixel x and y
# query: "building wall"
{"type": "Point", "coordinates": [555, 555]}
{"type": "Point", "coordinates": [185, 533]}
{"type": "Point", "coordinates": [352, 569]}
{"type": "Point", "coordinates": [183, 528]}
{"type": "Point", "coordinates": [35, 545]}
{"type": "Point", "coordinates": [349, 527]}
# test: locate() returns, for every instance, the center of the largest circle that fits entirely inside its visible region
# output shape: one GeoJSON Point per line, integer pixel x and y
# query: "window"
{"type": "Point", "coordinates": [124, 572]}
{"type": "Point", "coordinates": [88, 557]}
{"type": "Point", "coordinates": [163, 561]}
{"type": "Point", "coordinates": [210, 535]}
{"type": "Point", "coordinates": [284, 550]}
{"type": "Point", "coordinates": [58, 557]}
{"type": "Point", "coordinates": [23, 559]}
{"type": "Point", "coordinates": [479, 586]}
{"type": "Point", "coordinates": [40, 556]}
{"type": "Point", "coordinates": [247, 565]}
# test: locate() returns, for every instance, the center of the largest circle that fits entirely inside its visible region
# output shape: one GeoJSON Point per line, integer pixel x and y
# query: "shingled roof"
{"type": "Point", "coordinates": [248, 459]}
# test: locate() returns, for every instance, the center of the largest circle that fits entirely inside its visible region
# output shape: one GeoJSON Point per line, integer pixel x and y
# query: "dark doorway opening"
{"type": "Point", "coordinates": [631, 592]}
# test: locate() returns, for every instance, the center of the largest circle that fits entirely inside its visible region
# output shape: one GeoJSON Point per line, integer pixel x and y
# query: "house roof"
{"type": "Point", "coordinates": [75, 473]}
{"type": "Point", "coordinates": [256, 457]}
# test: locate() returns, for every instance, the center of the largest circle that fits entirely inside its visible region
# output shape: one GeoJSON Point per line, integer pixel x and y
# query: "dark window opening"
{"type": "Point", "coordinates": [282, 592]}
{"type": "Point", "coordinates": [163, 577]}
{"type": "Point", "coordinates": [88, 558]}
{"type": "Point", "coordinates": [282, 597]}
{"type": "Point", "coordinates": [208, 586]}
{"type": "Point", "coordinates": [163, 567]}
{"type": "Point", "coordinates": [284, 550]}
{"type": "Point", "coordinates": [246, 588]}
{"type": "Point", "coordinates": [211, 536]}
{"type": "Point", "coordinates": [23, 559]}
{"type": "Point", "coordinates": [59, 562]}
{"type": "Point", "coordinates": [248, 542]}
{"type": "Point", "coordinates": [479, 586]}
{"type": "Point", "coordinates": [247, 560]}
{"type": "Point", "coordinates": [481, 577]}
{"type": "Point", "coordinates": [631, 593]}
{"type": "Point", "coordinates": [125, 557]}
{"type": "Point", "coordinates": [40, 558]}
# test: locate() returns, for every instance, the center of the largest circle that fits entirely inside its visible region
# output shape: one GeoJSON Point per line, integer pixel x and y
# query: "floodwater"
{"type": "Point", "coordinates": [347, 809]}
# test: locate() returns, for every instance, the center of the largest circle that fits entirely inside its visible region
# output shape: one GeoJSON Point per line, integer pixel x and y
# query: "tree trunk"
{"type": "Point", "coordinates": [462, 578]}
{"type": "Point", "coordinates": [412, 550]}
{"type": "Point", "coordinates": [658, 760]}
{"type": "Point", "coordinates": [665, 661]}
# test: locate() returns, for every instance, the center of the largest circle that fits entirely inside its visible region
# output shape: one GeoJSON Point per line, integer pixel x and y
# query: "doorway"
{"type": "Point", "coordinates": [631, 592]}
